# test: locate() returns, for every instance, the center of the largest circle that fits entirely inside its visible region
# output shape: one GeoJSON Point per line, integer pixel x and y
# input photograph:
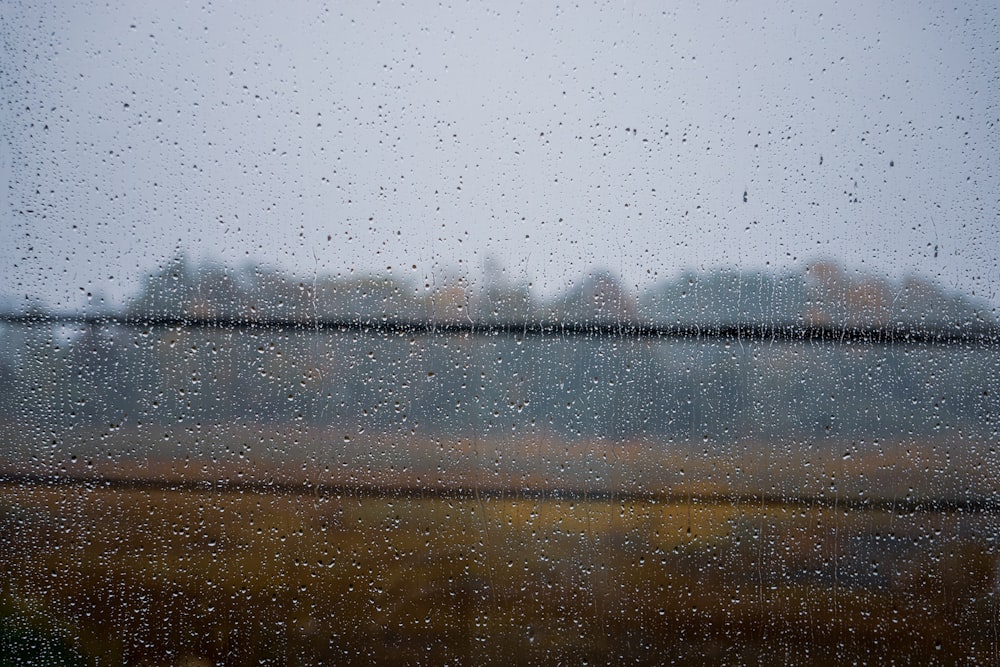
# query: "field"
{"type": "Point", "coordinates": [109, 575]}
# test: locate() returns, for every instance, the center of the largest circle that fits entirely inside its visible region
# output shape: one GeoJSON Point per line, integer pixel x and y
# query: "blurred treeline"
{"type": "Point", "coordinates": [565, 387]}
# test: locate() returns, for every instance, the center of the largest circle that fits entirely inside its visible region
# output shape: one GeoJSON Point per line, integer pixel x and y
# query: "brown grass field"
{"type": "Point", "coordinates": [159, 577]}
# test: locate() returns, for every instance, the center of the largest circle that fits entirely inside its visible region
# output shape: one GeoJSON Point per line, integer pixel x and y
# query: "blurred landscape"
{"type": "Point", "coordinates": [151, 577]}
{"type": "Point", "coordinates": [570, 388]}
{"type": "Point", "coordinates": [589, 498]}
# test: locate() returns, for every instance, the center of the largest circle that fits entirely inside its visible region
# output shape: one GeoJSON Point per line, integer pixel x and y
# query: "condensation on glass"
{"type": "Point", "coordinates": [461, 334]}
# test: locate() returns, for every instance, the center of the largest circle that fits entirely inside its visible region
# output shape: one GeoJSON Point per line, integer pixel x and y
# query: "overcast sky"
{"type": "Point", "coordinates": [553, 138]}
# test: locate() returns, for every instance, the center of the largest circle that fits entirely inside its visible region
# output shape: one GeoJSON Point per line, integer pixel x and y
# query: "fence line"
{"type": "Point", "coordinates": [906, 505]}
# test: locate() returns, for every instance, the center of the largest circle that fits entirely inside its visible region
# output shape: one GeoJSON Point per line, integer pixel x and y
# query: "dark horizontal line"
{"type": "Point", "coordinates": [879, 335]}
{"type": "Point", "coordinates": [908, 505]}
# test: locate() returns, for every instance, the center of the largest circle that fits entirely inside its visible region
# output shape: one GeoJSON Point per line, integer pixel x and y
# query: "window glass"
{"type": "Point", "coordinates": [459, 334]}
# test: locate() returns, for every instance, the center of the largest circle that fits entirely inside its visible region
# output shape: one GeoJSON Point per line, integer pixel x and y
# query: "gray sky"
{"type": "Point", "coordinates": [553, 138]}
